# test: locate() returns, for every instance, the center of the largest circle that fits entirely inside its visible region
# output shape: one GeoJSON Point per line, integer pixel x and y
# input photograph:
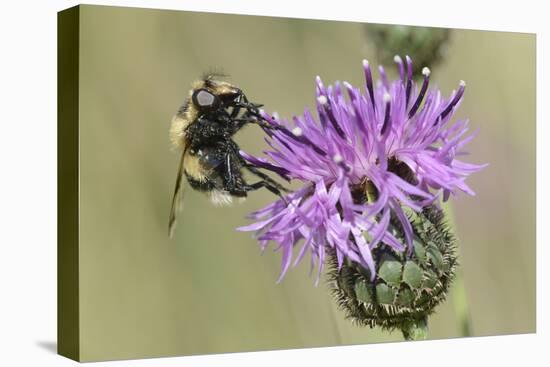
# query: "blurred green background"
{"type": "Point", "coordinates": [209, 290]}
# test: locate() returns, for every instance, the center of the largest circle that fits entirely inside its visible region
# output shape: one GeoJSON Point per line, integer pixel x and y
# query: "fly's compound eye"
{"type": "Point", "coordinates": [205, 100]}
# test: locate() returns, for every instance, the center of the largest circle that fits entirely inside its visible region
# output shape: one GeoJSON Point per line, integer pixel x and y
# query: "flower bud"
{"type": "Point", "coordinates": [425, 45]}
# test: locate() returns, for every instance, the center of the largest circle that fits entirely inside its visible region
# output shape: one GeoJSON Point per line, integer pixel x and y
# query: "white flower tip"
{"type": "Point", "coordinates": [462, 83]}
{"type": "Point", "coordinates": [386, 97]}
{"type": "Point", "coordinates": [397, 59]}
{"type": "Point", "coordinates": [322, 100]}
{"type": "Point", "coordinates": [338, 158]}
{"type": "Point", "coordinates": [318, 79]}
{"type": "Point", "coordinates": [297, 131]}
{"type": "Point", "coordinates": [347, 85]}
{"type": "Point", "coordinates": [426, 71]}
{"type": "Point", "coordinates": [365, 63]}
{"type": "Point", "coordinates": [261, 111]}
{"type": "Point", "coordinates": [408, 58]}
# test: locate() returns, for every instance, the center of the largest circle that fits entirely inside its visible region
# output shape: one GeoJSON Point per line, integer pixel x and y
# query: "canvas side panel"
{"type": "Point", "coordinates": [68, 338]}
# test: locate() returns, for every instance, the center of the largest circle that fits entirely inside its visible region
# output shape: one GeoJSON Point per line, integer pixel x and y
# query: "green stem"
{"type": "Point", "coordinates": [461, 304]}
{"type": "Point", "coordinates": [458, 290]}
{"type": "Point", "coordinates": [415, 329]}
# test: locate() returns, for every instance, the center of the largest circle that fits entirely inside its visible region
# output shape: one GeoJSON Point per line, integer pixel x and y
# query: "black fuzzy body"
{"type": "Point", "coordinates": [212, 161]}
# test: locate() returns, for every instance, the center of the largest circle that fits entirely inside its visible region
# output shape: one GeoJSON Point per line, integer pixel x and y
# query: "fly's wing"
{"type": "Point", "coordinates": [177, 199]}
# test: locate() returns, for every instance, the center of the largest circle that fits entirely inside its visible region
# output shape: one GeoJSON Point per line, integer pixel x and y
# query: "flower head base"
{"type": "Point", "coordinates": [367, 160]}
{"type": "Point", "coordinates": [407, 288]}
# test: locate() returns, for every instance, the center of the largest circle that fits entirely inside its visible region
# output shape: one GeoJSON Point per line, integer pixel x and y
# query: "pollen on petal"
{"type": "Point", "coordinates": [297, 131]}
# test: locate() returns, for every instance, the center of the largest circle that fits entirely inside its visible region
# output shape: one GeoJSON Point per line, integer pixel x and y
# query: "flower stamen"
{"type": "Point", "coordinates": [295, 134]}
{"type": "Point", "coordinates": [368, 77]}
{"type": "Point", "coordinates": [455, 100]}
{"type": "Point", "coordinates": [302, 139]}
{"type": "Point", "coordinates": [423, 89]}
{"type": "Point", "coordinates": [320, 85]}
{"type": "Point", "coordinates": [409, 79]}
{"type": "Point", "coordinates": [397, 59]}
{"type": "Point", "coordinates": [385, 125]}
{"type": "Point", "coordinates": [323, 101]}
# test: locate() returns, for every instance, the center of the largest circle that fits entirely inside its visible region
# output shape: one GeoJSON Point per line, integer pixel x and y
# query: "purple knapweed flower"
{"type": "Point", "coordinates": [351, 159]}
